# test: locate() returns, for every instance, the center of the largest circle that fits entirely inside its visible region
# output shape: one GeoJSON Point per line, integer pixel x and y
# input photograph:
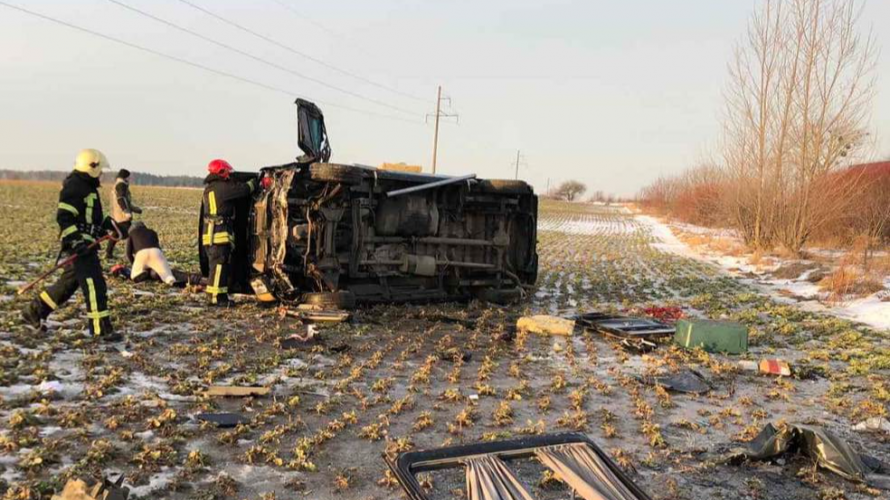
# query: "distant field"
{"type": "Point", "coordinates": [391, 381]}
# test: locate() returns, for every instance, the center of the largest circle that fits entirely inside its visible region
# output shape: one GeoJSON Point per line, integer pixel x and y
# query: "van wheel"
{"type": "Point", "coordinates": [504, 186]}
{"type": "Point", "coordinates": [344, 299]}
{"type": "Point", "coordinates": [332, 172]}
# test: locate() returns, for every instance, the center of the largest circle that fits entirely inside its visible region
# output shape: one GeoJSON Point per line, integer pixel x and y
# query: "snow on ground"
{"type": "Point", "coordinates": [587, 225]}
{"type": "Point", "coordinates": [873, 310]}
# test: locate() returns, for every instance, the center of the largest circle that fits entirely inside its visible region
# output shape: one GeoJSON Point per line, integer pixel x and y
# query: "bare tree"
{"type": "Point", "coordinates": [569, 190]}
{"type": "Point", "coordinates": [800, 89]}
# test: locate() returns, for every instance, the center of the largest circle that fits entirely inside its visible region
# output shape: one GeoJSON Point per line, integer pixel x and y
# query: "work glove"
{"type": "Point", "coordinates": [81, 248]}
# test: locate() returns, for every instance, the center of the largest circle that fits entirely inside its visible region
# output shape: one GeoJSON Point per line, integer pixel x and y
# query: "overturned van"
{"type": "Point", "coordinates": [336, 235]}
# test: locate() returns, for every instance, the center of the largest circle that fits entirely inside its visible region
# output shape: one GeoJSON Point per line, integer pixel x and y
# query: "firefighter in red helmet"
{"type": "Point", "coordinates": [221, 193]}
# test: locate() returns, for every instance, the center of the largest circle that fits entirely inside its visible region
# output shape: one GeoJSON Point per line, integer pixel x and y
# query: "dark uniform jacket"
{"type": "Point", "coordinates": [140, 238]}
{"type": "Point", "coordinates": [220, 196]}
{"type": "Point", "coordinates": [80, 214]}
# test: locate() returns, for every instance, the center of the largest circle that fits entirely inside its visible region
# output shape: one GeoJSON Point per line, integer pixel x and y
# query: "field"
{"type": "Point", "coordinates": [413, 377]}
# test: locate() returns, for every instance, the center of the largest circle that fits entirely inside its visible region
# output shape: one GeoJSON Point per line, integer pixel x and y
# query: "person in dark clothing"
{"type": "Point", "coordinates": [144, 253]}
{"type": "Point", "coordinates": [122, 207]}
{"type": "Point", "coordinates": [81, 222]}
{"type": "Point", "coordinates": [220, 196]}
{"type": "Point", "coordinates": [148, 261]}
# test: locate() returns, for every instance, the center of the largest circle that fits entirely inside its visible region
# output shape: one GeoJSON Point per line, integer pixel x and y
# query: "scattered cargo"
{"type": "Point", "coordinates": [546, 325]}
{"type": "Point", "coordinates": [713, 336]}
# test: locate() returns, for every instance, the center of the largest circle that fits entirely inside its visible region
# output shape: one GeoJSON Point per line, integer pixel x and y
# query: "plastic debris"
{"type": "Point", "coordinates": [685, 381]}
{"type": "Point", "coordinates": [712, 336]}
{"type": "Point", "coordinates": [767, 366]}
{"type": "Point", "coordinates": [873, 424]}
{"type": "Point", "coordinates": [824, 447]}
{"type": "Point", "coordinates": [775, 367]}
{"type": "Point", "coordinates": [546, 325]}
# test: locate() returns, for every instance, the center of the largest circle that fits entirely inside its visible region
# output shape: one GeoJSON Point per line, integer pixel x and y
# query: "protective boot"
{"type": "Point", "coordinates": [223, 303]}
{"type": "Point", "coordinates": [107, 333]}
{"type": "Point", "coordinates": [35, 313]}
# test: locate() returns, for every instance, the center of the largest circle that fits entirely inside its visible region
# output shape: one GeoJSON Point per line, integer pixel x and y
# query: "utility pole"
{"type": "Point", "coordinates": [436, 133]}
{"type": "Point", "coordinates": [438, 115]}
{"type": "Point", "coordinates": [516, 175]}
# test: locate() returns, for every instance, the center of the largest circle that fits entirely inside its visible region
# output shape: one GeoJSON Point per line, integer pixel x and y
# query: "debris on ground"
{"type": "Point", "coordinates": [665, 314]}
{"type": "Point", "coordinates": [637, 335]}
{"type": "Point", "coordinates": [767, 366]}
{"type": "Point", "coordinates": [685, 381]}
{"type": "Point", "coordinates": [296, 340]}
{"type": "Point", "coordinates": [821, 445]}
{"type": "Point", "coordinates": [223, 420]}
{"type": "Point", "coordinates": [571, 458]}
{"type": "Point", "coordinates": [76, 489]}
{"type": "Point", "coordinates": [546, 325]}
{"type": "Point", "coordinates": [236, 391]}
{"type": "Point", "coordinates": [713, 336]}
{"type": "Point", "coordinates": [873, 424]}
{"type": "Point", "coordinates": [314, 314]}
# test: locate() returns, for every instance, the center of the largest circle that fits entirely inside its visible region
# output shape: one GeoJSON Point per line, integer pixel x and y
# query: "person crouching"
{"type": "Point", "coordinates": [144, 253]}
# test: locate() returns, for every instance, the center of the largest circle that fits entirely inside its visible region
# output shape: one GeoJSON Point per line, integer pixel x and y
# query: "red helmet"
{"type": "Point", "coordinates": [220, 168]}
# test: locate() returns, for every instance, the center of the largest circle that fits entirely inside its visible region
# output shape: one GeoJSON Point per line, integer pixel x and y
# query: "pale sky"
{"type": "Point", "coordinates": [611, 93]}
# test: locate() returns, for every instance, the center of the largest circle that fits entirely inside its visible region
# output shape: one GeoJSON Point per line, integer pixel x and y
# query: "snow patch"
{"type": "Point", "coordinates": [873, 311]}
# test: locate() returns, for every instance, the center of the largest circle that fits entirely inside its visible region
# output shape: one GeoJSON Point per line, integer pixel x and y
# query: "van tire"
{"type": "Point", "coordinates": [332, 172]}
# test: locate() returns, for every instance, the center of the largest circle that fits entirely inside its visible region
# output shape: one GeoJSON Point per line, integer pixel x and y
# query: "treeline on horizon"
{"type": "Point", "coordinates": [139, 178]}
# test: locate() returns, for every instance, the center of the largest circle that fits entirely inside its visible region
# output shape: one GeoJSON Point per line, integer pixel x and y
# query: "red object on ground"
{"type": "Point", "coordinates": [669, 314]}
{"type": "Point", "coordinates": [775, 367]}
{"type": "Point", "coordinates": [220, 168]}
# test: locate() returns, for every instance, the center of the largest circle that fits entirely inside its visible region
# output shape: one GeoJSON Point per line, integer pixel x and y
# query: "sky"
{"type": "Point", "coordinates": [613, 94]}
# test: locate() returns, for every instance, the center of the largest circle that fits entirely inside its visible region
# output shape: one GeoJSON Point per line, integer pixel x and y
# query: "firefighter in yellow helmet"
{"type": "Point", "coordinates": [81, 222]}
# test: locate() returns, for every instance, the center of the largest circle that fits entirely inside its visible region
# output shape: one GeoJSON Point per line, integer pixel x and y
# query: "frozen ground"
{"type": "Point", "coordinates": [872, 310]}
{"type": "Point", "coordinates": [390, 381]}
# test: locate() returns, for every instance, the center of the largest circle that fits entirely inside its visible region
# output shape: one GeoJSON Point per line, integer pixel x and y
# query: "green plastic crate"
{"type": "Point", "coordinates": [712, 336]}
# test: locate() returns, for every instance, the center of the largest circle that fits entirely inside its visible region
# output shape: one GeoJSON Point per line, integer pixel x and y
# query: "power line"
{"type": "Point", "coordinates": [293, 10]}
{"type": "Point", "coordinates": [293, 50]}
{"type": "Point", "coordinates": [254, 57]}
{"type": "Point", "coordinates": [191, 63]}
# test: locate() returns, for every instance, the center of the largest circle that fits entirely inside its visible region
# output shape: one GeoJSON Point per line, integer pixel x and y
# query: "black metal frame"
{"type": "Point", "coordinates": [637, 334]}
{"type": "Point", "coordinates": [406, 465]}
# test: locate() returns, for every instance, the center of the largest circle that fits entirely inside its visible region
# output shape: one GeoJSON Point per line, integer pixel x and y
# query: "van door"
{"type": "Point", "coordinates": [313, 137]}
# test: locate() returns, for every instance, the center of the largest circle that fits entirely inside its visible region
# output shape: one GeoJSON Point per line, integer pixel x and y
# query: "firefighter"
{"type": "Point", "coordinates": [81, 221]}
{"type": "Point", "coordinates": [122, 207]}
{"type": "Point", "coordinates": [221, 194]}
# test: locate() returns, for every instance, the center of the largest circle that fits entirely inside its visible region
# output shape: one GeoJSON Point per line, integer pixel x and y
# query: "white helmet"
{"type": "Point", "coordinates": [91, 161]}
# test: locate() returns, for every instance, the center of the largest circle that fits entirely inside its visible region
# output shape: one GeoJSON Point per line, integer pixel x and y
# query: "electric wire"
{"type": "Point", "coordinates": [197, 65]}
{"type": "Point", "coordinates": [294, 11]}
{"type": "Point", "coordinates": [256, 58]}
{"type": "Point", "coordinates": [295, 51]}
